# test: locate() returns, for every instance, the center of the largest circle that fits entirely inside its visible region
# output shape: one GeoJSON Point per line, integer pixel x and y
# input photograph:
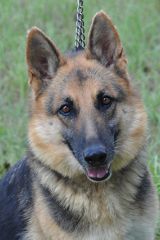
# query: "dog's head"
{"type": "Point", "coordinates": [86, 118]}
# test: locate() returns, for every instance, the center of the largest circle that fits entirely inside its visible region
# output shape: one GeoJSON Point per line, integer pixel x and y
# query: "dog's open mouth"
{"type": "Point", "coordinates": [98, 174]}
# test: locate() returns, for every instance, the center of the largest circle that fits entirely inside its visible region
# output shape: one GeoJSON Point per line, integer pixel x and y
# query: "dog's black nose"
{"type": "Point", "coordinates": [95, 155]}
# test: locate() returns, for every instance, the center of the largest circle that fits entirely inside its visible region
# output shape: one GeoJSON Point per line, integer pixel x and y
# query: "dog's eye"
{"type": "Point", "coordinates": [103, 101]}
{"type": "Point", "coordinates": [65, 109]}
{"type": "Point", "coordinates": [106, 100]}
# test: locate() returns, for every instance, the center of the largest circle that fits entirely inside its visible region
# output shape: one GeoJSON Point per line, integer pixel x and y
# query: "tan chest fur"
{"type": "Point", "coordinates": [104, 214]}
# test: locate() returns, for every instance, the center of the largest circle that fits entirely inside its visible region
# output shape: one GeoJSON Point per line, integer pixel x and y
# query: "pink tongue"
{"type": "Point", "coordinates": [96, 173]}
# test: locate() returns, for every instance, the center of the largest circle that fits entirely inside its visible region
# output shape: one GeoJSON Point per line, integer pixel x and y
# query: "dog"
{"type": "Point", "coordinates": [85, 175]}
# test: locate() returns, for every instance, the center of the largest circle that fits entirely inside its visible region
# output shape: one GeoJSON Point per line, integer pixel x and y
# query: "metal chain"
{"type": "Point", "coordinates": [80, 36]}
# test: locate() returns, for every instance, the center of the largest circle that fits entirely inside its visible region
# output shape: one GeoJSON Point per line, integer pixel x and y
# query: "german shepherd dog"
{"type": "Point", "coordinates": [84, 176]}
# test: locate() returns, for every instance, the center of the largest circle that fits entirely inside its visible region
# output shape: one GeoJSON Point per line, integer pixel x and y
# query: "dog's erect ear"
{"type": "Point", "coordinates": [43, 59]}
{"type": "Point", "coordinates": [104, 43]}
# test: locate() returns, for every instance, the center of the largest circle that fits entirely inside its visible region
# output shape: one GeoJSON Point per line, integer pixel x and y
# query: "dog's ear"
{"type": "Point", "coordinates": [104, 43]}
{"type": "Point", "coordinates": [43, 59]}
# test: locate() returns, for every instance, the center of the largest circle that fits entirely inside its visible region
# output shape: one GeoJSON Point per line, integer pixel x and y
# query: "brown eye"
{"type": "Point", "coordinates": [65, 109]}
{"type": "Point", "coordinates": [106, 100]}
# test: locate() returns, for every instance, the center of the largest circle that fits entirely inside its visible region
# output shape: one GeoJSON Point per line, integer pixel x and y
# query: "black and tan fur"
{"type": "Point", "coordinates": [78, 103]}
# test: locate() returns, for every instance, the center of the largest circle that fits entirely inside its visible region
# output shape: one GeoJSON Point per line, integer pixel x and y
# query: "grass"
{"type": "Point", "coordinates": [138, 24]}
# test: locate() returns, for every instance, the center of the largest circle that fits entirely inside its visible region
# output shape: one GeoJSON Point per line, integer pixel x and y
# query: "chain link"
{"type": "Point", "coordinates": [80, 36]}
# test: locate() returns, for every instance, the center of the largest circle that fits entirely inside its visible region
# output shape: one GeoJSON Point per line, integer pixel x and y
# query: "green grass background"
{"type": "Point", "coordinates": [139, 25]}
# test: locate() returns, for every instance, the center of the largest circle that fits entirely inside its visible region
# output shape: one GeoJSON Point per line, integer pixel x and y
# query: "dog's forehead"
{"type": "Point", "coordinates": [80, 71]}
{"type": "Point", "coordinates": [80, 75]}
{"type": "Point", "coordinates": [90, 80]}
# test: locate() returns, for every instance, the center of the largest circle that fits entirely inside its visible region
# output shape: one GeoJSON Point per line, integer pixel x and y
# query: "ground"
{"type": "Point", "coordinates": [138, 24]}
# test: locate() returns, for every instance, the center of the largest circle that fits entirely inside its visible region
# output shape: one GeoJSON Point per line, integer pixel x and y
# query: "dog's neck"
{"type": "Point", "coordinates": [45, 175]}
{"type": "Point", "coordinates": [66, 188]}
